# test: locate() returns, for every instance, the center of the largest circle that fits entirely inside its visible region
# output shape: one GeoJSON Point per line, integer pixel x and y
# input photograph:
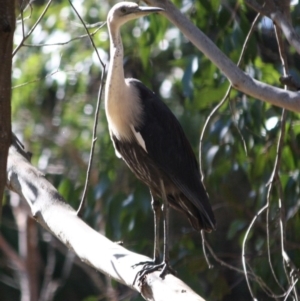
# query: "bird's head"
{"type": "Point", "coordinates": [126, 11]}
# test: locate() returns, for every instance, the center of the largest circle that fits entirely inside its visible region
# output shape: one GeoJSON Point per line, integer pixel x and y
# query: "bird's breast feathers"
{"type": "Point", "coordinates": [124, 113]}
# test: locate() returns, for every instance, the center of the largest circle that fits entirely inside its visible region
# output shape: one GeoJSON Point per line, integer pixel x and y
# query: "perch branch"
{"type": "Point", "coordinates": [54, 214]}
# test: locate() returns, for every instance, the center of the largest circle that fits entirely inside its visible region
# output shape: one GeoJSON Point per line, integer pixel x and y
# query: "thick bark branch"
{"type": "Point", "coordinates": [238, 78]}
{"type": "Point", "coordinates": [52, 212]}
{"type": "Point", "coordinates": [7, 28]}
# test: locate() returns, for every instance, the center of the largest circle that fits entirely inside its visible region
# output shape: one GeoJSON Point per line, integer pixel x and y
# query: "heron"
{"type": "Point", "coordinates": [149, 138]}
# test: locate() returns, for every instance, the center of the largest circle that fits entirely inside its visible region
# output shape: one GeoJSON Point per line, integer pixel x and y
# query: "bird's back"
{"type": "Point", "coordinates": [166, 155]}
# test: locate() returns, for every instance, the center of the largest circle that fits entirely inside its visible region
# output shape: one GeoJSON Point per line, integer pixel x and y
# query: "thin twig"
{"type": "Point", "coordinates": [210, 266]}
{"type": "Point", "coordinates": [36, 80]}
{"type": "Point", "coordinates": [25, 37]}
{"type": "Point", "coordinates": [94, 138]}
{"type": "Point", "coordinates": [215, 110]}
{"type": "Point", "coordinates": [257, 7]}
{"type": "Point", "coordinates": [16, 260]}
{"type": "Point", "coordinates": [94, 25]}
{"type": "Point", "coordinates": [66, 42]}
{"type": "Point", "coordinates": [251, 275]}
{"type": "Point", "coordinates": [292, 287]}
{"type": "Point", "coordinates": [268, 291]}
{"type": "Point", "coordinates": [244, 248]}
{"type": "Point", "coordinates": [22, 19]}
{"type": "Point", "coordinates": [282, 221]}
{"type": "Point", "coordinates": [88, 33]}
{"type": "Point", "coordinates": [219, 105]}
{"type": "Point", "coordinates": [275, 176]}
{"type": "Point", "coordinates": [212, 113]}
{"type": "Point", "coordinates": [268, 234]}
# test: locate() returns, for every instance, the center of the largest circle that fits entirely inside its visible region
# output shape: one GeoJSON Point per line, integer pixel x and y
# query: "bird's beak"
{"type": "Point", "coordinates": [146, 10]}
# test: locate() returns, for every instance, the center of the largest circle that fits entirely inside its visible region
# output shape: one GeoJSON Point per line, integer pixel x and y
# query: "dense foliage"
{"type": "Point", "coordinates": [56, 78]}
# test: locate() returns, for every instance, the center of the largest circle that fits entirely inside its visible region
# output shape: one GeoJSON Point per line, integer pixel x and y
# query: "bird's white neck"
{"type": "Point", "coordinates": [115, 75]}
{"type": "Point", "coordinates": [121, 106]}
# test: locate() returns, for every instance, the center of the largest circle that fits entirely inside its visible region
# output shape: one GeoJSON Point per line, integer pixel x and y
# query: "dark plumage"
{"type": "Point", "coordinates": [169, 157]}
{"type": "Point", "coordinates": [149, 138]}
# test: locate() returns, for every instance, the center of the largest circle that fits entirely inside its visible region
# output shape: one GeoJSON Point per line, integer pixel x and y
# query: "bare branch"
{"type": "Point", "coordinates": [279, 13]}
{"type": "Point", "coordinates": [68, 41]}
{"type": "Point", "coordinates": [96, 118]}
{"type": "Point", "coordinates": [244, 248]}
{"type": "Point", "coordinates": [51, 211]}
{"type": "Point", "coordinates": [11, 254]}
{"type": "Point", "coordinates": [250, 274]}
{"type": "Point", "coordinates": [256, 6]}
{"type": "Point", "coordinates": [238, 78]}
{"type": "Point", "coordinates": [275, 178]}
{"type": "Point", "coordinates": [25, 37]}
{"type": "Point", "coordinates": [36, 80]}
{"type": "Point", "coordinates": [287, 29]}
{"type": "Point", "coordinates": [226, 96]}
{"type": "Point", "coordinates": [282, 221]}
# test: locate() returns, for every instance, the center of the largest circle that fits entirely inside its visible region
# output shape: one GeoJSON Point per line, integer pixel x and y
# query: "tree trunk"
{"type": "Point", "coordinates": [7, 28]}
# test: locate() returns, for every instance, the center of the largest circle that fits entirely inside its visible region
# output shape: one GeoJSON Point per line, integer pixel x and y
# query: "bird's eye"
{"type": "Point", "coordinates": [123, 9]}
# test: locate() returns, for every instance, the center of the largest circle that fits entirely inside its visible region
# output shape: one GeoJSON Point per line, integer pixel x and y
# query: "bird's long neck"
{"type": "Point", "coordinates": [121, 106]}
{"type": "Point", "coordinates": [115, 77]}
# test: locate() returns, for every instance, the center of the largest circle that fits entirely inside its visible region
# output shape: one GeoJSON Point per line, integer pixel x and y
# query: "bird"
{"type": "Point", "coordinates": [149, 138]}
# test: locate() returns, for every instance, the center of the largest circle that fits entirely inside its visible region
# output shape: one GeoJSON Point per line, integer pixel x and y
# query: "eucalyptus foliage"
{"type": "Point", "coordinates": [56, 79]}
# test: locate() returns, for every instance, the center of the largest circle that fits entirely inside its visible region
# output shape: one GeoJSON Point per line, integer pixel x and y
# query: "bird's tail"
{"type": "Point", "coordinates": [199, 219]}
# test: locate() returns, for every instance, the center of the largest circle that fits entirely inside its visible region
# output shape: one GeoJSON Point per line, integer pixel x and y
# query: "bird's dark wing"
{"type": "Point", "coordinates": [168, 146]}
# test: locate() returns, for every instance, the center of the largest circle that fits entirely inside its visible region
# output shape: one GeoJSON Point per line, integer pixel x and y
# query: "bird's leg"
{"type": "Point", "coordinates": [155, 204]}
{"type": "Point", "coordinates": [166, 233]}
{"type": "Point", "coordinates": [164, 266]}
{"type": "Point", "coordinates": [156, 211]}
{"type": "Point", "coordinates": [156, 208]}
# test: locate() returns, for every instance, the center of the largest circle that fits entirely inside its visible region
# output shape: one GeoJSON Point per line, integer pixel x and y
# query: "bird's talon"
{"type": "Point", "coordinates": [150, 267]}
{"type": "Point", "coordinates": [145, 263]}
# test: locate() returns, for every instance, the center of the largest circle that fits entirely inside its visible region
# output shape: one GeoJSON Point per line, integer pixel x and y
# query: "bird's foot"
{"type": "Point", "coordinates": [152, 266]}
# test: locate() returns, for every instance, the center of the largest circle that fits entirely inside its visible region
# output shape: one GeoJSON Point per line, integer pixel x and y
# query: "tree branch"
{"type": "Point", "coordinates": [55, 215]}
{"type": "Point", "coordinates": [11, 254]}
{"type": "Point", "coordinates": [279, 13]}
{"type": "Point", "coordinates": [239, 79]}
{"type": "Point", "coordinates": [287, 29]}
